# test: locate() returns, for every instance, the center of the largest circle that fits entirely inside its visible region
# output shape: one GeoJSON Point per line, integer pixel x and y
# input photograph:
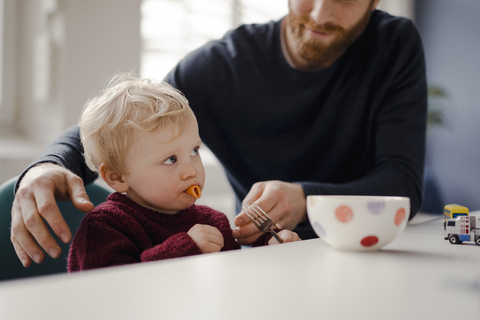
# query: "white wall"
{"type": "Point", "coordinates": [103, 37]}
{"type": "Point", "coordinates": [68, 53]}
{"type": "Point", "coordinates": [404, 8]}
{"type": "Point", "coordinates": [64, 51]}
{"type": "Point", "coordinates": [450, 33]}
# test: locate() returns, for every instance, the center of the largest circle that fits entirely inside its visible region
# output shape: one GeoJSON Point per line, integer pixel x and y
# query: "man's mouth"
{"type": "Point", "coordinates": [319, 35]}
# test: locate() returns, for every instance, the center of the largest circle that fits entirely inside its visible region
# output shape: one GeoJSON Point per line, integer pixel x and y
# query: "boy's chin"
{"type": "Point", "coordinates": [190, 201]}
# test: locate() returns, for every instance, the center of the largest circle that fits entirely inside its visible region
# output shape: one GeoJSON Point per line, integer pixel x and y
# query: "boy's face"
{"type": "Point", "coordinates": [161, 169]}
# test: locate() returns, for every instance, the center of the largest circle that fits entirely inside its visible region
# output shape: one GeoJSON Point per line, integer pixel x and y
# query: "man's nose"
{"type": "Point", "coordinates": [322, 11]}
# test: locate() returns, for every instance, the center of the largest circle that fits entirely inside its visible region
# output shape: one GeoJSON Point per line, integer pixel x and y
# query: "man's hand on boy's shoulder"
{"type": "Point", "coordinates": [35, 201]}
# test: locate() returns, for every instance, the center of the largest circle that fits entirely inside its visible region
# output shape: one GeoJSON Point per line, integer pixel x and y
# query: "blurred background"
{"type": "Point", "coordinates": [56, 54]}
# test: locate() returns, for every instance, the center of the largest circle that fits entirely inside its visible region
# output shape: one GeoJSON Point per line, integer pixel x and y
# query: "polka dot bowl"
{"type": "Point", "coordinates": [358, 223]}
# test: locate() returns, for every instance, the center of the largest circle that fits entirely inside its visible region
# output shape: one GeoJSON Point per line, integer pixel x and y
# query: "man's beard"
{"type": "Point", "coordinates": [316, 51]}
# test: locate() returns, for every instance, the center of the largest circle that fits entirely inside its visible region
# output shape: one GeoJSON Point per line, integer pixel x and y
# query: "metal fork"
{"type": "Point", "coordinates": [260, 219]}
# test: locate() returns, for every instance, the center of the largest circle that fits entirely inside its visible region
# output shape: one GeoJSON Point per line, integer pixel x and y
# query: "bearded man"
{"type": "Point", "coordinates": [331, 99]}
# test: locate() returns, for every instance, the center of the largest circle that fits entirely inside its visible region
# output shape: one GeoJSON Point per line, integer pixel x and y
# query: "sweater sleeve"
{"type": "Point", "coordinates": [229, 242]}
{"type": "Point", "coordinates": [66, 151]}
{"type": "Point", "coordinates": [104, 240]}
{"type": "Point", "coordinates": [181, 244]}
{"type": "Point", "coordinates": [263, 240]}
{"type": "Point", "coordinates": [178, 245]}
{"type": "Point", "coordinates": [100, 241]}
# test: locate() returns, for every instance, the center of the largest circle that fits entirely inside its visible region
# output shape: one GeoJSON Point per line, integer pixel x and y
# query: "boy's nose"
{"type": "Point", "coordinates": [189, 171]}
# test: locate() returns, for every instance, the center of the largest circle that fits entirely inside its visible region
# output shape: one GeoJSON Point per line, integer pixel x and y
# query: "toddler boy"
{"type": "Point", "coordinates": [142, 138]}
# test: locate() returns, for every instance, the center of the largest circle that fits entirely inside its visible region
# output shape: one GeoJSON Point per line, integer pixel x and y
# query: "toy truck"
{"type": "Point", "coordinates": [462, 228]}
{"type": "Point", "coordinates": [454, 210]}
{"type": "Point", "coordinates": [451, 211]}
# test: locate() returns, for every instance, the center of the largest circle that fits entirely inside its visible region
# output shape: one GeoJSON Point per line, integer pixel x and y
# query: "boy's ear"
{"type": "Point", "coordinates": [113, 179]}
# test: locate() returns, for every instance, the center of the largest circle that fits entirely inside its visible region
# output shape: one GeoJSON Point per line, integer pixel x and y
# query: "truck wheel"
{"type": "Point", "coordinates": [477, 241]}
{"type": "Point", "coordinates": [453, 239]}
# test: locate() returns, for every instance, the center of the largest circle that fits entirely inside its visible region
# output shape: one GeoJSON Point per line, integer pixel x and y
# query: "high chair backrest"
{"type": "Point", "coordinates": [10, 265]}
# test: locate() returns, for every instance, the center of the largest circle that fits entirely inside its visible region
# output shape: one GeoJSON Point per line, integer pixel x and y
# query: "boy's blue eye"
{"type": "Point", "coordinates": [171, 160]}
{"type": "Point", "coordinates": [194, 152]}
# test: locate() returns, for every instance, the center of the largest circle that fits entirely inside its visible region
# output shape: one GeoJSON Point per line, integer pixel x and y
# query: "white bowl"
{"type": "Point", "coordinates": [359, 223]}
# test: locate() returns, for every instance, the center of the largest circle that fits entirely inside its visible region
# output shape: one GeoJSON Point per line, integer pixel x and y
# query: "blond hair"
{"type": "Point", "coordinates": [127, 106]}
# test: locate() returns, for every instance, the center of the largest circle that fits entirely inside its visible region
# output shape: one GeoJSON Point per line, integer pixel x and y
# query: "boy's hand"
{"type": "Point", "coordinates": [286, 236]}
{"type": "Point", "coordinates": [208, 239]}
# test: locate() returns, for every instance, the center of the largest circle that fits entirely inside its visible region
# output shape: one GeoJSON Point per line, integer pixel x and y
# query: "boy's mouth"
{"type": "Point", "coordinates": [194, 191]}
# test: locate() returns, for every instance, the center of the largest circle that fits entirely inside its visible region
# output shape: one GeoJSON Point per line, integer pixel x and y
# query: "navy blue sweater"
{"type": "Point", "coordinates": [357, 127]}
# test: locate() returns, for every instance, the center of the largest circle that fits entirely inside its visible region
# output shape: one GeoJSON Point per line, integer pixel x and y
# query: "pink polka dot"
{"type": "Point", "coordinates": [400, 216]}
{"type": "Point", "coordinates": [344, 214]}
{"type": "Point", "coordinates": [369, 241]}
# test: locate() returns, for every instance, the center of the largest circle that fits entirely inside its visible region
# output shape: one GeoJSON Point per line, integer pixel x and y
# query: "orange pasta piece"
{"type": "Point", "coordinates": [195, 191]}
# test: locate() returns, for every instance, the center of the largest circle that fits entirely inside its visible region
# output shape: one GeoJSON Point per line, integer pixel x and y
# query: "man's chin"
{"type": "Point", "coordinates": [317, 55]}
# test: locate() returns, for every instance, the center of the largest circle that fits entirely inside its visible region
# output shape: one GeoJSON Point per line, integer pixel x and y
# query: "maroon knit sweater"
{"type": "Point", "coordinates": [120, 231]}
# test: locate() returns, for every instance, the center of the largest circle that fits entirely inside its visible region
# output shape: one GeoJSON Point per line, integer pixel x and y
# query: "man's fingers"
{"type": "Point", "coordinates": [48, 209]}
{"type": "Point", "coordinates": [77, 193]}
{"type": "Point", "coordinates": [278, 213]}
{"type": "Point", "coordinates": [283, 202]}
{"type": "Point", "coordinates": [241, 219]}
{"type": "Point", "coordinates": [246, 234]}
{"type": "Point", "coordinates": [249, 240]}
{"type": "Point", "coordinates": [32, 213]}
{"type": "Point", "coordinates": [38, 229]}
{"type": "Point", "coordinates": [273, 200]}
{"type": "Point", "coordinates": [255, 192]}
{"type": "Point", "coordinates": [245, 229]}
{"type": "Point", "coordinates": [20, 234]}
{"type": "Point", "coordinates": [29, 251]}
{"type": "Point", "coordinates": [18, 226]}
{"type": "Point", "coordinates": [21, 254]}
{"type": "Point", "coordinates": [266, 195]}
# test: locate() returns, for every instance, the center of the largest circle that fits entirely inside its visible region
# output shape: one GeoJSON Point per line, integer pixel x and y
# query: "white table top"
{"type": "Point", "coordinates": [418, 276]}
